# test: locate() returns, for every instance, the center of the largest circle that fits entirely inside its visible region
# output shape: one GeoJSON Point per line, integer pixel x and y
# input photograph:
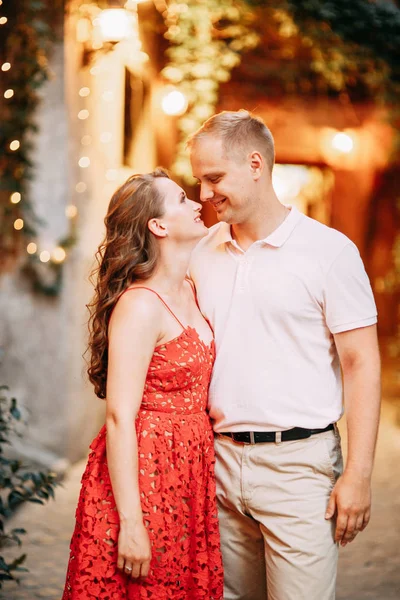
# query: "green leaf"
{"type": "Point", "coordinates": [14, 410]}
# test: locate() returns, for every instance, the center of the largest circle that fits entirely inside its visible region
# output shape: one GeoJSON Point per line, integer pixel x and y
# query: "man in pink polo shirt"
{"type": "Point", "coordinates": [292, 308]}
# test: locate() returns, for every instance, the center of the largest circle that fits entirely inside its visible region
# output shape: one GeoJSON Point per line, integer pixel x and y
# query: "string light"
{"type": "Point", "coordinates": [15, 198]}
{"type": "Point", "coordinates": [18, 224]}
{"type": "Point", "coordinates": [44, 256]}
{"type": "Point", "coordinates": [83, 114]}
{"type": "Point", "coordinates": [14, 145]}
{"type": "Point", "coordinates": [108, 96]}
{"type": "Point", "coordinates": [6, 66]}
{"type": "Point", "coordinates": [59, 255]}
{"type": "Point", "coordinates": [71, 211]}
{"type": "Point", "coordinates": [84, 162]}
{"type": "Point", "coordinates": [111, 174]}
{"type": "Point", "coordinates": [86, 140]}
{"type": "Point", "coordinates": [31, 248]}
{"type": "Point", "coordinates": [81, 187]}
{"type": "Point", "coordinates": [105, 137]}
{"type": "Point", "coordinates": [8, 93]}
{"type": "Point", "coordinates": [84, 91]}
{"type": "Point", "coordinates": [3, 20]}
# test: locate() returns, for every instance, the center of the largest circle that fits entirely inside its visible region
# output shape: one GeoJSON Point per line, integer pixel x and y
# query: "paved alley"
{"type": "Point", "coordinates": [369, 568]}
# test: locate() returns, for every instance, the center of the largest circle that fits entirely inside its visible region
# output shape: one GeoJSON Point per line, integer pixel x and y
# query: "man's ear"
{"type": "Point", "coordinates": [158, 228]}
{"type": "Point", "coordinates": [256, 161]}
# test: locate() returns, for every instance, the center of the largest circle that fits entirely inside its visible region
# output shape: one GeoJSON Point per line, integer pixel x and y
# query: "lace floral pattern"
{"type": "Point", "coordinates": [176, 480]}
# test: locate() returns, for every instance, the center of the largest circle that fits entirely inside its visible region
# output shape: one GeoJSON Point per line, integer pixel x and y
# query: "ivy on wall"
{"type": "Point", "coordinates": [207, 40]}
{"type": "Point", "coordinates": [295, 47]}
{"type": "Point", "coordinates": [25, 40]}
{"type": "Point", "coordinates": [27, 35]}
{"type": "Point", "coordinates": [353, 41]}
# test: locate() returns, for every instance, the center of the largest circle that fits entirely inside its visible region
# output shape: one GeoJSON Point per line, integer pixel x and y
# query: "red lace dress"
{"type": "Point", "coordinates": [177, 486]}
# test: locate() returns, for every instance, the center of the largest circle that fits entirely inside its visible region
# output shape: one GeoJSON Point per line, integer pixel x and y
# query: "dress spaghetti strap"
{"type": "Point", "coordinates": [142, 287]}
{"type": "Point", "coordinates": [190, 282]}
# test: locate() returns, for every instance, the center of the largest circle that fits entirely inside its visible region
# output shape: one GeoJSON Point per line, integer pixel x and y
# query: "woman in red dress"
{"type": "Point", "coordinates": [146, 521]}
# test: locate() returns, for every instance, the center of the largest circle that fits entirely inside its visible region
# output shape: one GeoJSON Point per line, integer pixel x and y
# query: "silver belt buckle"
{"type": "Point", "coordinates": [252, 440]}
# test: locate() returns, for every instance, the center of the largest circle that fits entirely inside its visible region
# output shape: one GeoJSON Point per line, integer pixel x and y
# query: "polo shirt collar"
{"type": "Point", "coordinates": [277, 238]}
{"type": "Point", "coordinates": [282, 233]}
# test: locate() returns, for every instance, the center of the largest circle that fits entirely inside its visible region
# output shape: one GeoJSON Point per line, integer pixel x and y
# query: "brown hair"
{"type": "Point", "coordinates": [239, 131]}
{"type": "Point", "coordinates": [128, 252]}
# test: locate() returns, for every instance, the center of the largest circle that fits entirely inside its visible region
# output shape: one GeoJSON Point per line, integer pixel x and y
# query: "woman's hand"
{"type": "Point", "coordinates": [134, 549]}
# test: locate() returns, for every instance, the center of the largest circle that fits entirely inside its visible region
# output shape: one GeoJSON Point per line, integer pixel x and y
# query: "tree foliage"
{"type": "Point", "coordinates": [17, 484]}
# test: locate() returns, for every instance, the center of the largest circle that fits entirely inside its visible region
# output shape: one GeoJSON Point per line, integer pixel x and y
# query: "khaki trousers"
{"type": "Point", "coordinates": [276, 542]}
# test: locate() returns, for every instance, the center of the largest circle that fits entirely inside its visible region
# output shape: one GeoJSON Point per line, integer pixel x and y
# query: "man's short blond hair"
{"type": "Point", "coordinates": [240, 132]}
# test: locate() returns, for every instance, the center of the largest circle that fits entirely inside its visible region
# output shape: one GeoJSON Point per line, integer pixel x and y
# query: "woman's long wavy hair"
{"type": "Point", "coordinates": [129, 252]}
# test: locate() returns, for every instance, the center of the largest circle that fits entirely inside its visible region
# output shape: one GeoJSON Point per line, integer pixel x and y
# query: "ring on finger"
{"type": "Point", "coordinates": [128, 569]}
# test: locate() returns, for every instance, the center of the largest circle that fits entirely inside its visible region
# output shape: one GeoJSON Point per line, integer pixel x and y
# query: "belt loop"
{"type": "Point", "coordinates": [278, 437]}
{"type": "Point", "coordinates": [252, 440]}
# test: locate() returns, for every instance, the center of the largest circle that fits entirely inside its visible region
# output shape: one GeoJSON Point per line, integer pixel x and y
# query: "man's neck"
{"type": "Point", "coordinates": [245, 234]}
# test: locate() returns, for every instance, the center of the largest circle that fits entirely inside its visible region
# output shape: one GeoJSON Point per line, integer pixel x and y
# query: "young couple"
{"type": "Point", "coordinates": [290, 306]}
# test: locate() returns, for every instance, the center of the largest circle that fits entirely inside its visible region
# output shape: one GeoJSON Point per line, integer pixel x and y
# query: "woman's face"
{"type": "Point", "coordinates": [181, 220]}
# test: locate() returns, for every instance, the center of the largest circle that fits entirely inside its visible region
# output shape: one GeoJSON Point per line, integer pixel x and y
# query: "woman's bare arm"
{"type": "Point", "coordinates": [133, 334]}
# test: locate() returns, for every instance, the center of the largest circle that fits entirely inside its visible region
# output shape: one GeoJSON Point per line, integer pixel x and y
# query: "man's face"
{"type": "Point", "coordinates": [226, 181]}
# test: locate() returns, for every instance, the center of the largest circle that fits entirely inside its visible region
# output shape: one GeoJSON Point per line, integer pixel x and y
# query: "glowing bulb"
{"type": "Point", "coordinates": [95, 70]}
{"type": "Point", "coordinates": [83, 114]}
{"type": "Point", "coordinates": [18, 224]}
{"type": "Point", "coordinates": [71, 211]}
{"type": "Point", "coordinates": [6, 66]}
{"type": "Point", "coordinates": [9, 93]}
{"type": "Point", "coordinates": [59, 254]}
{"type": "Point", "coordinates": [81, 187]}
{"type": "Point", "coordinates": [84, 162]}
{"type": "Point", "coordinates": [83, 92]}
{"type": "Point", "coordinates": [3, 20]}
{"type": "Point", "coordinates": [31, 248]}
{"type": "Point", "coordinates": [111, 174]}
{"type": "Point", "coordinates": [44, 256]}
{"type": "Point", "coordinates": [86, 140]}
{"type": "Point", "coordinates": [15, 198]}
{"type": "Point", "coordinates": [115, 24]}
{"type": "Point", "coordinates": [342, 142]}
{"type": "Point", "coordinates": [106, 137]}
{"type": "Point", "coordinates": [14, 145]}
{"type": "Point", "coordinates": [174, 103]}
{"type": "Point", "coordinates": [108, 96]}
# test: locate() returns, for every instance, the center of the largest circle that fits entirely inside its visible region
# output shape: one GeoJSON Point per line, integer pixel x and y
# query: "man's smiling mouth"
{"type": "Point", "coordinates": [218, 204]}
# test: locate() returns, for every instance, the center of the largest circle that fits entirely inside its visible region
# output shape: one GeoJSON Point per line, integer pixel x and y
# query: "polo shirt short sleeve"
{"type": "Point", "coordinates": [348, 299]}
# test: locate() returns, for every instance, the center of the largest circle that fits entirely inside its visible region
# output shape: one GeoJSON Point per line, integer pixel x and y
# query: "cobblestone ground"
{"type": "Point", "coordinates": [369, 569]}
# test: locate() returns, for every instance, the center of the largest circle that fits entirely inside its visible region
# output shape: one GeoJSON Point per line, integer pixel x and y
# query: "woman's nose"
{"type": "Point", "coordinates": [196, 205]}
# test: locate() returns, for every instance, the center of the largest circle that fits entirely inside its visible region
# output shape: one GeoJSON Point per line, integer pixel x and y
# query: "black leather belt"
{"type": "Point", "coordinates": [262, 437]}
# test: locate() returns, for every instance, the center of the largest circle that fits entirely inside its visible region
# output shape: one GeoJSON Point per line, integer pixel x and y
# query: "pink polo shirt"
{"type": "Point", "coordinates": [274, 309]}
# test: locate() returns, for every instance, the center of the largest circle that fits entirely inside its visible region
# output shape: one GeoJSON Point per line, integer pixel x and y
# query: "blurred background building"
{"type": "Point", "coordinates": [91, 92]}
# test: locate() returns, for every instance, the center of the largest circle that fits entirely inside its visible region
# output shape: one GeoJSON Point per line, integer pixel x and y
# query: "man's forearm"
{"type": "Point", "coordinates": [362, 393]}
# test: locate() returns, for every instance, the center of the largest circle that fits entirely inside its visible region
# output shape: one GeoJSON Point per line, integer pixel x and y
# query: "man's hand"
{"type": "Point", "coordinates": [351, 500]}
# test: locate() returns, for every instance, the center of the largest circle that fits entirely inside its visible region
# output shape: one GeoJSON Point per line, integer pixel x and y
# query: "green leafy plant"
{"type": "Point", "coordinates": [17, 484]}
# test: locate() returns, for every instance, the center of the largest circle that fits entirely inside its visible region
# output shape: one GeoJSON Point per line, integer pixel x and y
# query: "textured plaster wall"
{"type": "Point", "coordinates": [33, 328]}
{"type": "Point", "coordinates": [42, 340]}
